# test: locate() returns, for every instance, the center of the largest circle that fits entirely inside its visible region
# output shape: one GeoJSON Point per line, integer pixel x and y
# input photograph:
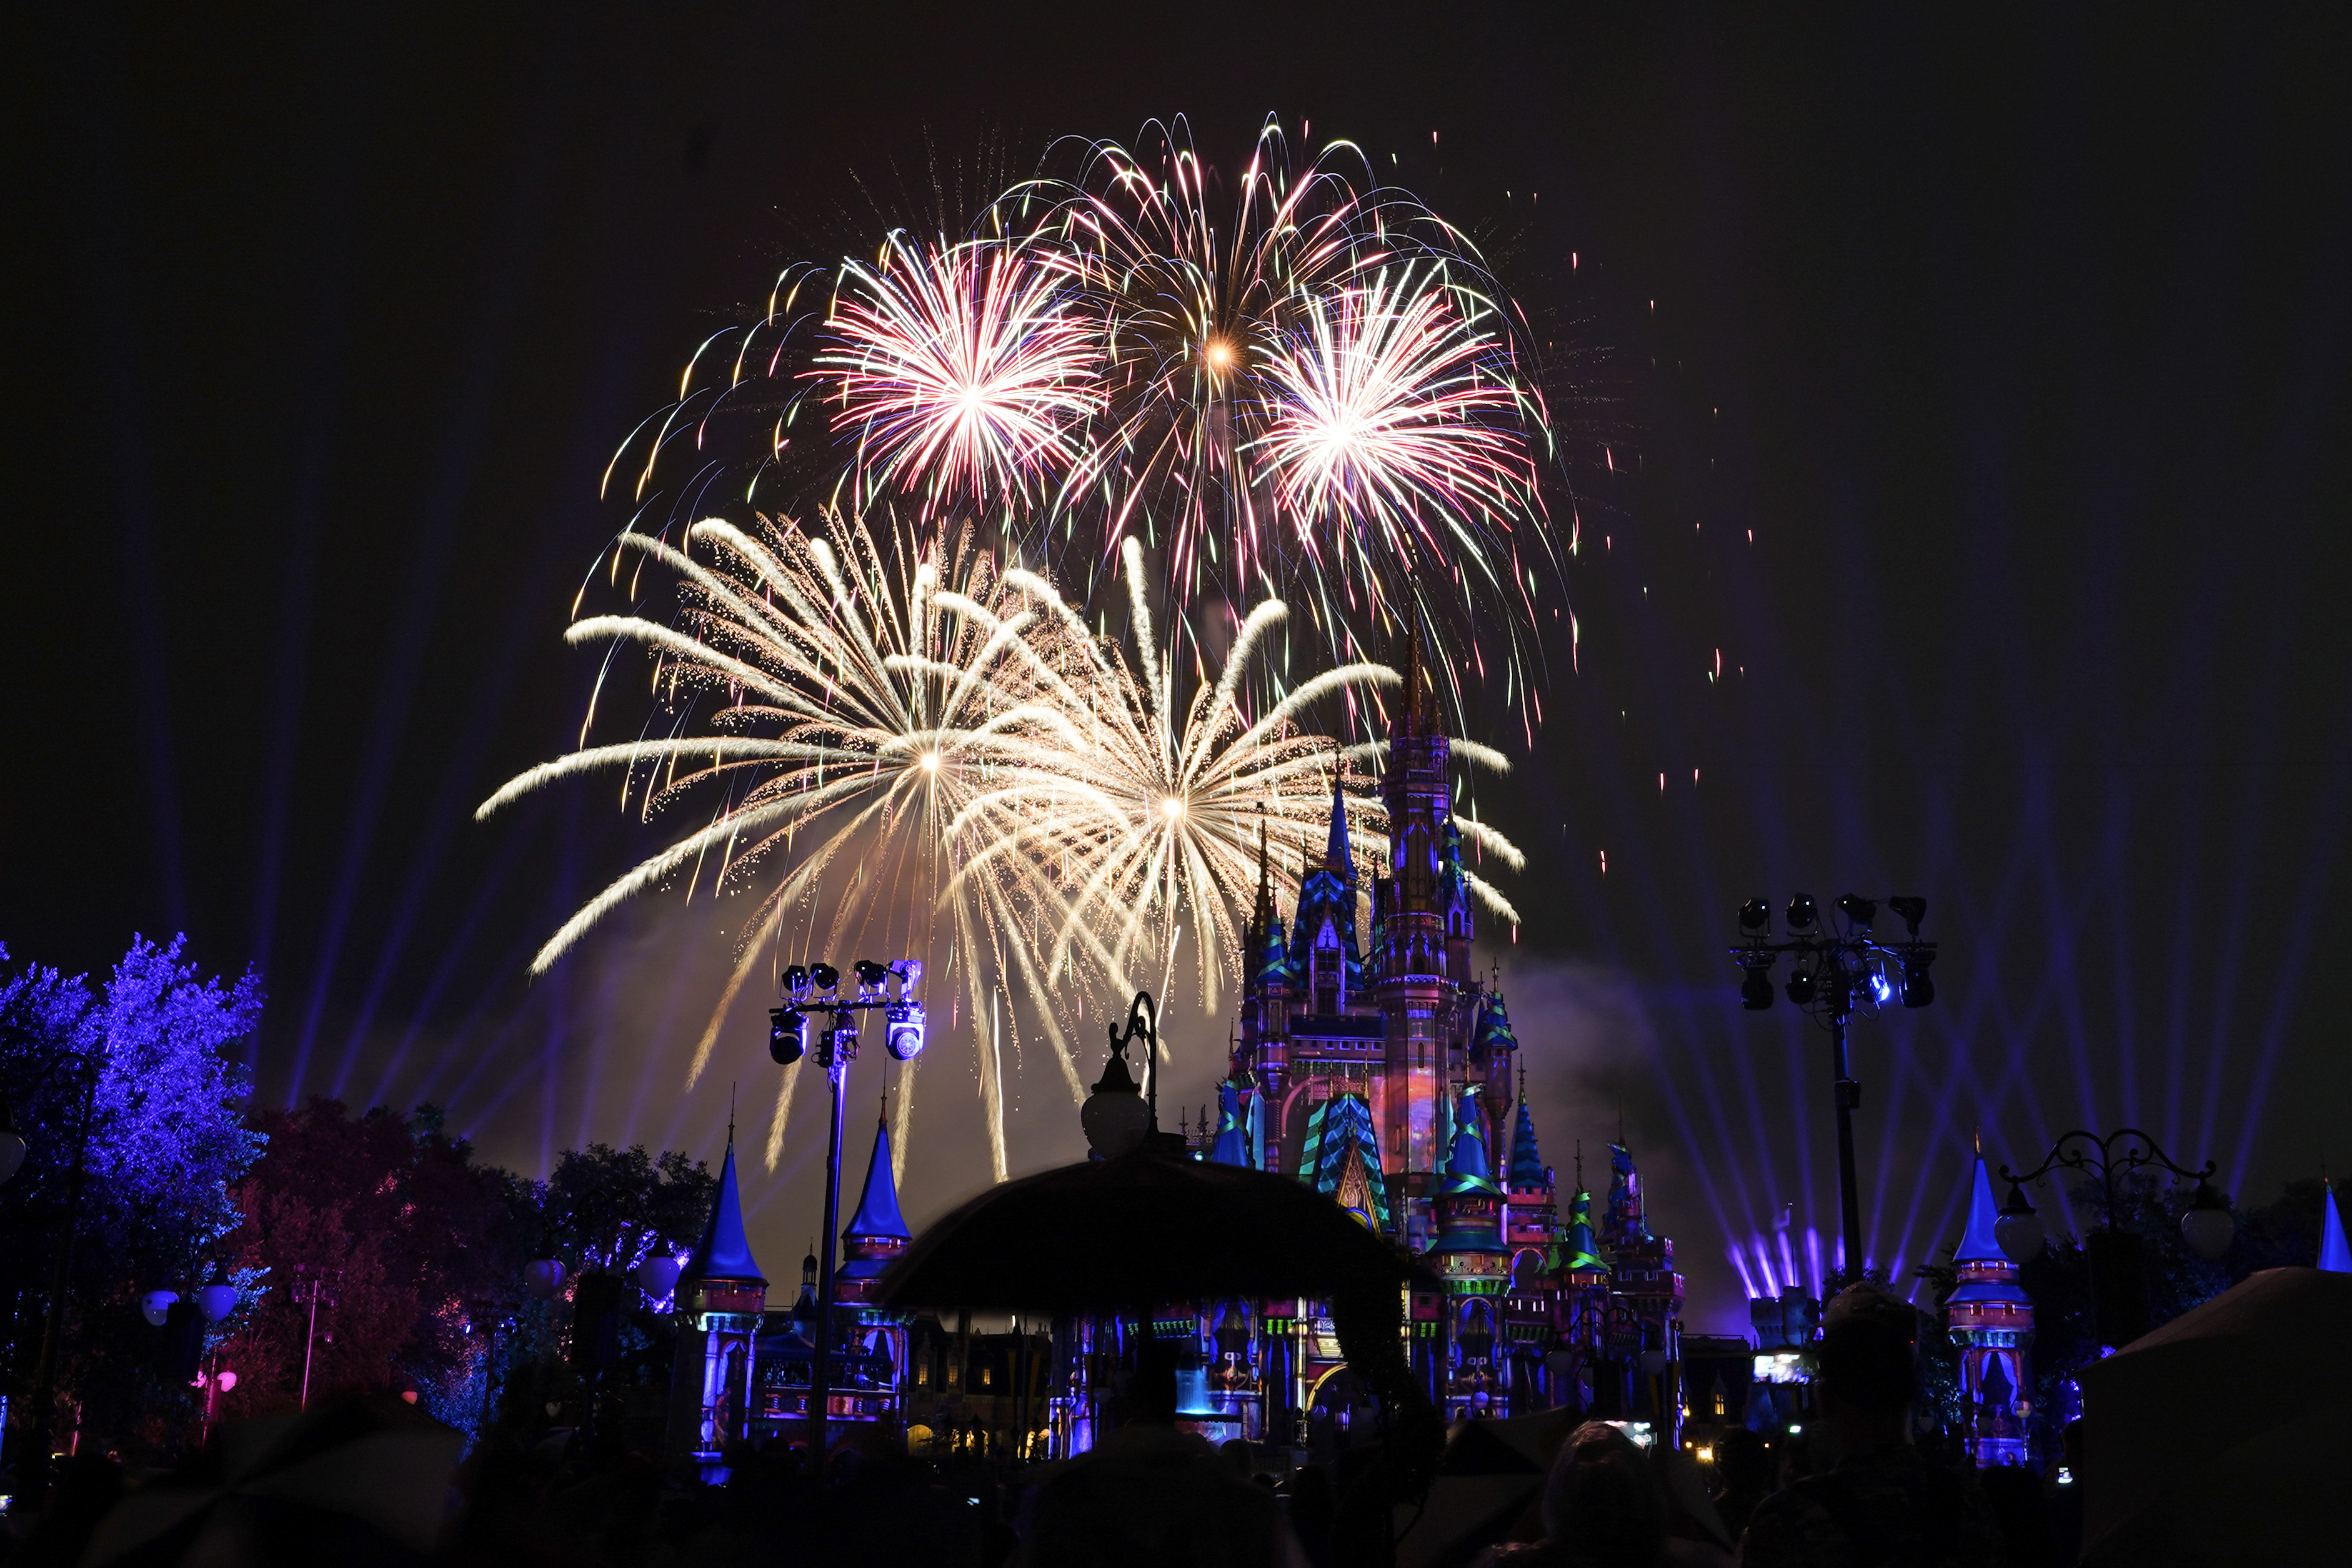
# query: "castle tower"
{"type": "Point", "coordinates": [877, 1233]}
{"type": "Point", "coordinates": [720, 1297]}
{"type": "Point", "coordinates": [1990, 1317]}
{"type": "Point", "coordinates": [1413, 988]}
{"type": "Point", "coordinates": [1472, 1259]}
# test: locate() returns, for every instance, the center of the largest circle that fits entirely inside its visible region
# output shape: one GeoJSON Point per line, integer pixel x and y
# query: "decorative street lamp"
{"type": "Point", "coordinates": [1118, 1119]}
{"type": "Point", "coordinates": [816, 990]}
{"type": "Point", "coordinates": [1834, 974]}
{"type": "Point", "coordinates": [2119, 1297]}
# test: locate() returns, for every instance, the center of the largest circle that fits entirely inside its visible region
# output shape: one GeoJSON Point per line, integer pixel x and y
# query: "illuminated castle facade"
{"type": "Point", "coordinates": [1372, 1064]}
{"type": "Point", "coordinates": [1376, 1066]}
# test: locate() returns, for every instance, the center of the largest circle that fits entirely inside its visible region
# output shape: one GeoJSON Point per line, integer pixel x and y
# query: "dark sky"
{"type": "Point", "coordinates": [1979, 391]}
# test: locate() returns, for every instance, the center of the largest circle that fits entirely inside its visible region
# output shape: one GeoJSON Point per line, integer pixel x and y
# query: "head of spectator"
{"type": "Point", "coordinates": [1864, 1380]}
{"type": "Point", "coordinates": [1602, 1504]}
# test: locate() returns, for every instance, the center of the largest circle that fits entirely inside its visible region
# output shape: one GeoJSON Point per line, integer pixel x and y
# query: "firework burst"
{"type": "Point", "coordinates": [846, 715]}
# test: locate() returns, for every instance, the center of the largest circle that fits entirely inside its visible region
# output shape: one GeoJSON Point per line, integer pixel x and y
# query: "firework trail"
{"type": "Point", "coordinates": [1154, 824]}
{"type": "Point", "coordinates": [852, 713]}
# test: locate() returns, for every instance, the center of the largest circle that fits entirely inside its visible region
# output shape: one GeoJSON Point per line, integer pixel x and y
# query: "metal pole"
{"type": "Point", "coordinates": [1849, 1095]}
{"type": "Point", "coordinates": [836, 1070]}
{"type": "Point", "coordinates": [309, 1341]}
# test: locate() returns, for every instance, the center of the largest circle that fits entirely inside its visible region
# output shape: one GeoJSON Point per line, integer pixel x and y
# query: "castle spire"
{"type": "Point", "coordinates": [1262, 917]}
{"type": "Point", "coordinates": [1232, 1147]}
{"type": "Point", "coordinates": [2334, 1256]}
{"type": "Point", "coordinates": [1976, 1242]}
{"type": "Point", "coordinates": [725, 1252]}
{"type": "Point", "coordinates": [1528, 1168]}
{"type": "Point", "coordinates": [878, 1206]}
{"type": "Point", "coordinates": [1335, 855]}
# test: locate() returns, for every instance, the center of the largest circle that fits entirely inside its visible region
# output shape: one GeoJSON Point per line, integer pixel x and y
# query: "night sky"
{"type": "Point", "coordinates": [1979, 395]}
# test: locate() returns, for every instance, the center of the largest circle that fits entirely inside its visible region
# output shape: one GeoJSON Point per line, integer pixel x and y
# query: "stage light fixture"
{"type": "Point", "coordinates": [825, 978]}
{"type": "Point", "coordinates": [870, 976]}
{"type": "Point", "coordinates": [903, 1032]}
{"type": "Point", "coordinates": [787, 1035]}
{"type": "Point", "coordinates": [1911, 910]}
{"type": "Point", "coordinates": [1859, 912]}
{"type": "Point", "coordinates": [796, 981]}
{"type": "Point", "coordinates": [1756, 991]}
{"type": "Point", "coordinates": [1800, 989]}
{"type": "Point", "coordinates": [1755, 917]}
{"type": "Point", "coordinates": [1802, 912]}
{"type": "Point", "coordinates": [1918, 985]}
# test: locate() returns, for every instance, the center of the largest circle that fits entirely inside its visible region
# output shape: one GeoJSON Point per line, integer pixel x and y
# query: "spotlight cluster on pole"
{"type": "Point", "coordinates": [1838, 967]}
{"type": "Point", "coordinates": [815, 990]}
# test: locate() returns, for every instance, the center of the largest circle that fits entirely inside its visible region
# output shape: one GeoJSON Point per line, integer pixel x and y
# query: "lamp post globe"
{"type": "Point", "coordinates": [217, 1301]}
{"type": "Point", "coordinates": [1115, 1116]}
{"type": "Point", "coordinates": [156, 1305]}
{"type": "Point", "coordinates": [2208, 1227]}
{"type": "Point", "coordinates": [543, 1278]}
{"type": "Point", "coordinates": [2018, 1232]}
{"type": "Point", "coordinates": [658, 1275]}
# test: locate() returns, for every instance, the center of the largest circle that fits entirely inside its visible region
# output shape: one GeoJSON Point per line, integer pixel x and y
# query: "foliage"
{"type": "Point", "coordinates": [131, 1105]}
{"type": "Point", "coordinates": [613, 1209]}
{"type": "Point", "coordinates": [415, 1232]}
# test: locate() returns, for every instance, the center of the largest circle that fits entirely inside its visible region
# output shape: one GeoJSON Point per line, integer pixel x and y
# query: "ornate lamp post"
{"type": "Point", "coordinates": [2119, 1299]}
{"type": "Point", "coordinates": [1834, 974]}
{"type": "Point", "coordinates": [816, 990]}
{"type": "Point", "coordinates": [1119, 1119]}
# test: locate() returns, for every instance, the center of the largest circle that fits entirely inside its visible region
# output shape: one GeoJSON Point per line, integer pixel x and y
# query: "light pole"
{"type": "Point", "coordinates": [1119, 1119]}
{"type": "Point", "coordinates": [313, 1288]}
{"type": "Point", "coordinates": [2118, 1301]}
{"type": "Point", "coordinates": [1835, 973]}
{"type": "Point", "coordinates": [816, 990]}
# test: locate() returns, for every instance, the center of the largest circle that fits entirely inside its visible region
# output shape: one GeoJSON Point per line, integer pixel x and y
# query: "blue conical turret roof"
{"type": "Point", "coordinates": [2334, 1255]}
{"type": "Point", "coordinates": [1493, 1032]}
{"type": "Point", "coordinates": [1467, 1167]}
{"type": "Point", "coordinates": [877, 1208]}
{"type": "Point", "coordinates": [725, 1252]}
{"type": "Point", "coordinates": [1528, 1168]}
{"type": "Point", "coordinates": [1232, 1147]}
{"type": "Point", "coordinates": [1978, 1243]}
{"type": "Point", "coordinates": [1578, 1252]}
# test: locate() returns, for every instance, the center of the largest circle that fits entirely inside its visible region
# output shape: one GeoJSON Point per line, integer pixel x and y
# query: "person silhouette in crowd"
{"type": "Point", "coordinates": [1882, 1504]}
{"type": "Point", "coordinates": [1743, 1463]}
{"type": "Point", "coordinates": [1602, 1508]}
{"type": "Point", "coordinates": [1150, 1496]}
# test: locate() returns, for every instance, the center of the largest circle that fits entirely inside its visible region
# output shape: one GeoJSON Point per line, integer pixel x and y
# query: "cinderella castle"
{"type": "Point", "coordinates": [1372, 1064]}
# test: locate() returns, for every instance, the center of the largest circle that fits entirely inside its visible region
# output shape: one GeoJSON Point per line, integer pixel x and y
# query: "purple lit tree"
{"type": "Point", "coordinates": [131, 1108]}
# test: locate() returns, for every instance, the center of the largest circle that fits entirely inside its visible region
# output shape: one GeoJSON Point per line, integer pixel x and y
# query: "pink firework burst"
{"type": "Point", "coordinates": [962, 368]}
{"type": "Point", "coordinates": [1383, 430]}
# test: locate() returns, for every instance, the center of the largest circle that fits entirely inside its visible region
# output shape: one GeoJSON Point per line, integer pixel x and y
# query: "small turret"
{"type": "Point", "coordinates": [1232, 1147]}
{"type": "Point", "coordinates": [2334, 1256]}
{"type": "Point", "coordinates": [877, 1232]}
